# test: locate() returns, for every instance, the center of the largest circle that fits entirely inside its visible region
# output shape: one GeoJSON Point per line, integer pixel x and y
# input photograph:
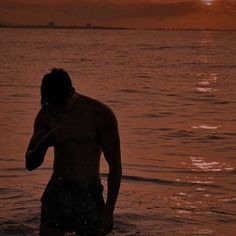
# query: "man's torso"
{"type": "Point", "coordinates": [77, 152]}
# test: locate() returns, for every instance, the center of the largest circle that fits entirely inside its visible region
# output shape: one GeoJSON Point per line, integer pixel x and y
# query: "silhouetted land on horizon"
{"type": "Point", "coordinates": [95, 27]}
{"type": "Point", "coordinates": [64, 27]}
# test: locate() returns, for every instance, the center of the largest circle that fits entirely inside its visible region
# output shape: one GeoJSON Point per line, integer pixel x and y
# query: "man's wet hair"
{"type": "Point", "coordinates": [56, 87]}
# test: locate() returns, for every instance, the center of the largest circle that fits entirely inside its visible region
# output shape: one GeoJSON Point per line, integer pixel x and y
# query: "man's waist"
{"type": "Point", "coordinates": [72, 181]}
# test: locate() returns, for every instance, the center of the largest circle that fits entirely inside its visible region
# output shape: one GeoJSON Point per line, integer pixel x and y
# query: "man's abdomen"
{"type": "Point", "coordinates": [77, 162]}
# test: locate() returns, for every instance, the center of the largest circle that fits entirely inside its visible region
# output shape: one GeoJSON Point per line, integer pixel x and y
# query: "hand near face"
{"type": "Point", "coordinates": [63, 133]}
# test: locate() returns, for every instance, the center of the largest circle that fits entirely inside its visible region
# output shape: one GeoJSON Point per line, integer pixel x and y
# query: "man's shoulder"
{"type": "Point", "coordinates": [43, 113]}
{"type": "Point", "coordinates": [96, 105]}
{"type": "Point", "coordinates": [100, 110]}
{"type": "Point", "coordinates": [42, 116]}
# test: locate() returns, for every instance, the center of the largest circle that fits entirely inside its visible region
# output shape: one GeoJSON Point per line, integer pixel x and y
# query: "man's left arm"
{"type": "Point", "coordinates": [110, 143]}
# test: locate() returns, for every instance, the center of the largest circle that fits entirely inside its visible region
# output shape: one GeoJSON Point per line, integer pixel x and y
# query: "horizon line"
{"type": "Point", "coordinates": [91, 27]}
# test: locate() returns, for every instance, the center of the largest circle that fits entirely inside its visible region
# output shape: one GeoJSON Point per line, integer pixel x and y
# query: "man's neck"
{"type": "Point", "coordinates": [69, 103]}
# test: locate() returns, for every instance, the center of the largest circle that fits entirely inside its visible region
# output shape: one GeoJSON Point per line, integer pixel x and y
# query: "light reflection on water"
{"type": "Point", "coordinates": [205, 127]}
{"type": "Point", "coordinates": [214, 166]}
{"type": "Point", "coordinates": [208, 85]}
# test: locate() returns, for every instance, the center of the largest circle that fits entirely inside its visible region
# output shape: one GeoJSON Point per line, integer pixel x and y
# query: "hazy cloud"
{"type": "Point", "coordinates": [108, 11]}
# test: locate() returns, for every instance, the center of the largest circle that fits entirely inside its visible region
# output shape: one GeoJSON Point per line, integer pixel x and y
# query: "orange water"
{"type": "Point", "coordinates": [175, 98]}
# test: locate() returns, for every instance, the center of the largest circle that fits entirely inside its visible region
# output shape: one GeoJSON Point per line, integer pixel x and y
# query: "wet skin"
{"type": "Point", "coordinates": [79, 129]}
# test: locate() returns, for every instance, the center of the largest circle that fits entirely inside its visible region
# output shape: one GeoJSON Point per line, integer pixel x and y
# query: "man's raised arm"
{"type": "Point", "coordinates": [39, 143]}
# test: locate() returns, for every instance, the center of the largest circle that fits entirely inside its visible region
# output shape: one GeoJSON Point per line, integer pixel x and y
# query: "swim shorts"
{"type": "Point", "coordinates": [72, 206]}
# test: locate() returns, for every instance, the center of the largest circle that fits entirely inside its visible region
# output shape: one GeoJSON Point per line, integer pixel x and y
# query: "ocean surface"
{"type": "Point", "coordinates": [174, 93]}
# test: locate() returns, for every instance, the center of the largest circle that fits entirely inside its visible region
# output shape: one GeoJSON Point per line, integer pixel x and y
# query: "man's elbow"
{"type": "Point", "coordinates": [29, 166]}
{"type": "Point", "coordinates": [116, 170]}
{"type": "Point", "coordinates": [31, 163]}
{"type": "Point", "coordinates": [119, 169]}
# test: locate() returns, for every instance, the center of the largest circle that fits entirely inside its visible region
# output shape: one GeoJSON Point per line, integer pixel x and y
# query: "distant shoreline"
{"type": "Point", "coordinates": [92, 27]}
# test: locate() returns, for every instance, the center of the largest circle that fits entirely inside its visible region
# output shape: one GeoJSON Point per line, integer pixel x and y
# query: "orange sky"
{"type": "Point", "coordinates": [221, 14]}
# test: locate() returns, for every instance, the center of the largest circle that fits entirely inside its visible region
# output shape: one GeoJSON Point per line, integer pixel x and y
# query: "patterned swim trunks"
{"type": "Point", "coordinates": [71, 206]}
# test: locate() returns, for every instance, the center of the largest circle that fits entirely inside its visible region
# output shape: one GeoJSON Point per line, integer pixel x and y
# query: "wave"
{"type": "Point", "coordinates": [7, 159]}
{"type": "Point", "coordinates": [168, 47]}
{"type": "Point", "coordinates": [163, 181]}
{"type": "Point", "coordinates": [128, 91]}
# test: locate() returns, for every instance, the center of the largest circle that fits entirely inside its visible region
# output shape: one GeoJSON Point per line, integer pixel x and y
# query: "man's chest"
{"type": "Point", "coordinates": [75, 127]}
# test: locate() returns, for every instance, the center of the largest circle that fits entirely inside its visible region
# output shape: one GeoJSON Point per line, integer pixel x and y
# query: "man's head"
{"type": "Point", "coordinates": [56, 87]}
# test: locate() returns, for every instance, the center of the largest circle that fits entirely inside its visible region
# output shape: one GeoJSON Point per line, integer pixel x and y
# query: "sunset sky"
{"type": "Point", "coordinates": [216, 14]}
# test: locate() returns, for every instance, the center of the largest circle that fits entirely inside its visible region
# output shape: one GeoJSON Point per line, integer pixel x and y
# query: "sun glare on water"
{"type": "Point", "coordinates": [208, 2]}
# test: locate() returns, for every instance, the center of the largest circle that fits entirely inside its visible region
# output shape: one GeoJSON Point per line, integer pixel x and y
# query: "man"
{"type": "Point", "coordinates": [80, 129]}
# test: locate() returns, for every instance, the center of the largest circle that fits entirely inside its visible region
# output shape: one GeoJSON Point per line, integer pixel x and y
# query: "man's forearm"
{"type": "Point", "coordinates": [36, 152]}
{"type": "Point", "coordinates": [114, 179]}
{"type": "Point", "coordinates": [34, 156]}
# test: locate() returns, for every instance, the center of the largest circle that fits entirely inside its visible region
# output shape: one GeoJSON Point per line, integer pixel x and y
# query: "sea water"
{"type": "Point", "coordinates": [174, 94]}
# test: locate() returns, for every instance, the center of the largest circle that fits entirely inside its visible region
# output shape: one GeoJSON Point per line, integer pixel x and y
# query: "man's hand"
{"type": "Point", "coordinates": [50, 139]}
{"type": "Point", "coordinates": [106, 222]}
{"type": "Point", "coordinates": [63, 133]}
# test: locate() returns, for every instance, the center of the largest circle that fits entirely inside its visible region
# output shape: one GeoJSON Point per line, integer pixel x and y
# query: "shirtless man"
{"type": "Point", "coordinates": [80, 129]}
